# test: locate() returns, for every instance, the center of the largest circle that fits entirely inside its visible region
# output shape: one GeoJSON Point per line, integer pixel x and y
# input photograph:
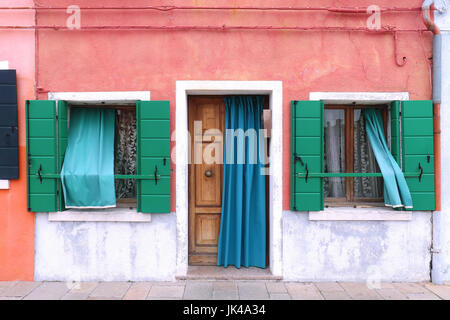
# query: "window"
{"type": "Point", "coordinates": [347, 149]}
{"type": "Point", "coordinates": [47, 123]}
{"type": "Point", "coordinates": [327, 143]}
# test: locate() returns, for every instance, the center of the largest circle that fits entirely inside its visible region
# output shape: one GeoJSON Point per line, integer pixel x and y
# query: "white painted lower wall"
{"type": "Point", "coordinates": [356, 250]}
{"type": "Point", "coordinates": [312, 250]}
{"type": "Point", "coordinates": [107, 251]}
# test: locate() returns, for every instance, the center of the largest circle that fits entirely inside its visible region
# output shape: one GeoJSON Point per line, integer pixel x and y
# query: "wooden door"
{"type": "Point", "coordinates": [205, 177]}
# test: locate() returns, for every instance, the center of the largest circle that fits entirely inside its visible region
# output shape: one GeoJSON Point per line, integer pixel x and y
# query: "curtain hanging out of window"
{"type": "Point", "coordinates": [396, 191]}
{"type": "Point", "coordinates": [87, 174]}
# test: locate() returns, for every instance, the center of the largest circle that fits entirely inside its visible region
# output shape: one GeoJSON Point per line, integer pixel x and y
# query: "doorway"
{"type": "Point", "coordinates": [206, 118]}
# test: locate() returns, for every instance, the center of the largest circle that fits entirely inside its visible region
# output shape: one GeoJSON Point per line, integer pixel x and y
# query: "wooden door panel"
{"type": "Point", "coordinates": [208, 189]}
{"type": "Point", "coordinates": [207, 233]}
{"type": "Point", "coordinates": [205, 193]}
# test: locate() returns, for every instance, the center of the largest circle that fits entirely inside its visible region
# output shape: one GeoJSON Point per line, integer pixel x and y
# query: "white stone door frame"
{"type": "Point", "coordinates": [274, 90]}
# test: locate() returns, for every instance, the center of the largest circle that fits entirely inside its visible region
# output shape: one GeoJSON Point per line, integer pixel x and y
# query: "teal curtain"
{"type": "Point", "coordinates": [87, 174]}
{"type": "Point", "coordinates": [396, 191]}
{"type": "Point", "coordinates": [242, 238]}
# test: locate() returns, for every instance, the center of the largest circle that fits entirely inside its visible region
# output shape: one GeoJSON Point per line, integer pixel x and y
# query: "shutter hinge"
{"type": "Point", "coordinates": [298, 158]}
{"type": "Point", "coordinates": [421, 172]}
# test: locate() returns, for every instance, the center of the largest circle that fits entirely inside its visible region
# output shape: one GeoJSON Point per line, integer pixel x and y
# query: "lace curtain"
{"type": "Point", "coordinates": [334, 138]}
{"type": "Point", "coordinates": [364, 161]}
{"type": "Point", "coordinates": [125, 153]}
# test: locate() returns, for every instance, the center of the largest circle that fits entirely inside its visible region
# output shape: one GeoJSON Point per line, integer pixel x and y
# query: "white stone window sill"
{"type": "Point", "coordinates": [101, 215]}
{"type": "Point", "coordinates": [360, 214]}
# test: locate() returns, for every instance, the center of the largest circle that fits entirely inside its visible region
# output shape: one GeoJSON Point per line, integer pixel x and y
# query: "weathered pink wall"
{"type": "Point", "coordinates": [16, 224]}
{"type": "Point", "coordinates": [304, 61]}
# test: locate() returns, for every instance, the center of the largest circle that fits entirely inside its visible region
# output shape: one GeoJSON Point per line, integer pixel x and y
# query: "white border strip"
{"type": "Point", "coordinates": [106, 215]}
{"type": "Point", "coordinates": [274, 89]}
{"type": "Point", "coordinates": [358, 97]}
{"type": "Point", "coordinates": [111, 97]}
{"type": "Point", "coordinates": [359, 214]}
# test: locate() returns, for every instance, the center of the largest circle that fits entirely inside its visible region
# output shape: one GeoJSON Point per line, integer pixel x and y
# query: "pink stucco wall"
{"type": "Point", "coordinates": [105, 60]}
{"type": "Point", "coordinates": [304, 61]}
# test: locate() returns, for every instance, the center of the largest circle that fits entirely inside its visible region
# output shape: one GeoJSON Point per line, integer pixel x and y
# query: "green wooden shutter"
{"type": "Point", "coordinates": [61, 148]}
{"type": "Point", "coordinates": [41, 155]}
{"type": "Point", "coordinates": [153, 156]}
{"type": "Point", "coordinates": [306, 155]}
{"type": "Point", "coordinates": [417, 147]}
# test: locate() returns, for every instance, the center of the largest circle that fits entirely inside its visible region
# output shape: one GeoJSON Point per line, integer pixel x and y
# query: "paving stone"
{"type": "Point", "coordinates": [165, 291]}
{"type": "Point", "coordinates": [406, 288]}
{"type": "Point", "coordinates": [422, 296]}
{"type": "Point", "coordinates": [225, 290]}
{"type": "Point", "coordinates": [6, 284]}
{"type": "Point", "coordinates": [252, 290]}
{"type": "Point", "coordinates": [328, 286]}
{"type": "Point", "coordinates": [303, 291]}
{"type": "Point", "coordinates": [441, 291]}
{"type": "Point", "coordinates": [110, 290]}
{"type": "Point", "coordinates": [336, 295]}
{"type": "Point", "coordinates": [225, 295]}
{"type": "Point", "coordinates": [386, 285]}
{"type": "Point", "coordinates": [276, 287]}
{"type": "Point", "coordinates": [391, 294]}
{"type": "Point", "coordinates": [80, 291]}
{"type": "Point", "coordinates": [360, 291]}
{"type": "Point", "coordinates": [280, 296]}
{"type": "Point", "coordinates": [224, 285]}
{"type": "Point", "coordinates": [20, 289]}
{"type": "Point", "coordinates": [49, 291]}
{"type": "Point", "coordinates": [138, 291]}
{"type": "Point", "coordinates": [198, 290]}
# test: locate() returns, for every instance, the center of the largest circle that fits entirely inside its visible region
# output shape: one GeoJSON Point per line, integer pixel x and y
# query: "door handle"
{"type": "Point", "coordinates": [208, 173]}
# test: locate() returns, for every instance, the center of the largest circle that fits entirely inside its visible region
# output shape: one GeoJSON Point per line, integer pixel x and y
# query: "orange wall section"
{"type": "Point", "coordinates": [16, 224]}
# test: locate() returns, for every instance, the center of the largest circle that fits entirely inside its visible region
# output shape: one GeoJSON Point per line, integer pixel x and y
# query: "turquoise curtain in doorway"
{"type": "Point", "coordinates": [396, 191]}
{"type": "Point", "coordinates": [87, 174]}
{"type": "Point", "coordinates": [242, 238]}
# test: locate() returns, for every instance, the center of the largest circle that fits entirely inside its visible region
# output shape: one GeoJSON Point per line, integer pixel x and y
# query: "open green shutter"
{"type": "Point", "coordinates": [62, 146]}
{"type": "Point", "coordinates": [306, 155]}
{"type": "Point", "coordinates": [153, 156]}
{"type": "Point", "coordinates": [41, 155]}
{"type": "Point", "coordinates": [418, 150]}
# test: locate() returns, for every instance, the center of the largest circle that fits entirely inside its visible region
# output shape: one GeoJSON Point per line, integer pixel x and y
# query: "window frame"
{"type": "Point", "coordinates": [100, 98]}
{"type": "Point", "coordinates": [350, 200]}
{"type": "Point", "coordinates": [122, 203]}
